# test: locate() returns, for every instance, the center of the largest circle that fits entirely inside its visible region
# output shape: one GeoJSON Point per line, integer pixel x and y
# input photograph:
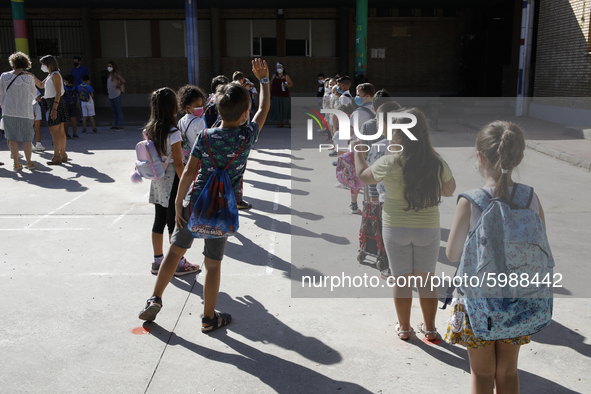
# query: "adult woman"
{"type": "Point", "coordinates": [280, 102]}
{"type": "Point", "coordinates": [17, 95]}
{"type": "Point", "coordinates": [414, 179]}
{"type": "Point", "coordinates": [115, 86]}
{"type": "Point", "coordinates": [57, 115]}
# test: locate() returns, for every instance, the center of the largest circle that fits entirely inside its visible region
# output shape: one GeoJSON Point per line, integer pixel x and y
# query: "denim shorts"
{"type": "Point", "coordinates": [214, 247]}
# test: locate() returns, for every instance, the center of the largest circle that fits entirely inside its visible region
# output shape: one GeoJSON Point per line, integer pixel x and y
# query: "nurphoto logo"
{"type": "Point", "coordinates": [344, 131]}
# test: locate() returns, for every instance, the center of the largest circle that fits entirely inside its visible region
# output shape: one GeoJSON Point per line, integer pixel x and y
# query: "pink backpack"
{"type": "Point", "coordinates": [346, 174]}
{"type": "Point", "coordinates": [148, 164]}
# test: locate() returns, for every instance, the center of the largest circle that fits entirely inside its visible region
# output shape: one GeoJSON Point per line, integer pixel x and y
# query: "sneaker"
{"type": "Point", "coordinates": [113, 128]}
{"type": "Point", "coordinates": [333, 154]}
{"type": "Point", "coordinates": [38, 147]}
{"type": "Point", "coordinates": [354, 208]}
{"type": "Point", "coordinates": [335, 163]}
{"type": "Point", "coordinates": [68, 136]}
{"type": "Point", "coordinates": [94, 131]}
{"type": "Point", "coordinates": [120, 128]}
{"type": "Point", "coordinates": [84, 130]}
{"type": "Point", "coordinates": [155, 268]}
{"type": "Point", "coordinates": [186, 268]}
{"type": "Point", "coordinates": [244, 205]}
{"type": "Point", "coordinates": [75, 136]}
{"type": "Point", "coordinates": [153, 306]}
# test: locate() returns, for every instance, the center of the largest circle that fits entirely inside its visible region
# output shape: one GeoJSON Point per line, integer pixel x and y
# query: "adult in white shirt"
{"type": "Point", "coordinates": [17, 95]}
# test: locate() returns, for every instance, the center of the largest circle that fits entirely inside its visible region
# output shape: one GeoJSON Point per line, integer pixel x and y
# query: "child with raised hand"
{"type": "Point", "coordinates": [500, 146]}
{"type": "Point", "coordinates": [235, 136]}
{"type": "Point", "coordinates": [191, 101]}
{"type": "Point", "coordinates": [162, 130]}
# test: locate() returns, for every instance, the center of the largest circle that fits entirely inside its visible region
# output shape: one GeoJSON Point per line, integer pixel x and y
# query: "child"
{"type": "Point", "coordinates": [211, 110]}
{"type": "Point", "coordinates": [344, 84]}
{"type": "Point", "coordinates": [162, 129]}
{"type": "Point", "coordinates": [71, 98]}
{"type": "Point", "coordinates": [415, 180]}
{"type": "Point", "coordinates": [500, 146]}
{"type": "Point", "coordinates": [191, 99]}
{"type": "Point", "coordinates": [86, 93]}
{"type": "Point", "coordinates": [232, 135]}
{"type": "Point", "coordinates": [37, 123]}
{"type": "Point", "coordinates": [321, 79]}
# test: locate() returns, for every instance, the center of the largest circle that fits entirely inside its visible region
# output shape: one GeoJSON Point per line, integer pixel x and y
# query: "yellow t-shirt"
{"type": "Point", "coordinates": [394, 215]}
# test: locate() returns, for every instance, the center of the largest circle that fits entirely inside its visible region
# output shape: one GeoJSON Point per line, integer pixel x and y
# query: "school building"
{"type": "Point", "coordinates": [484, 48]}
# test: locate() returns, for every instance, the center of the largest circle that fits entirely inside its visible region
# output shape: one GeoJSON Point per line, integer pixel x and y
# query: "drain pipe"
{"type": "Point", "coordinates": [527, 25]}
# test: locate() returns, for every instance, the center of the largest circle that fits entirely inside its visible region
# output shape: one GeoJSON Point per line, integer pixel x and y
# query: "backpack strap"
{"type": "Point", "coordinates": [369, 111]}
{"type": "Point", "coordinates": [165, 164]}
{"type": "Point", "coordinates": [522, 195]}
{"type": "Point", "coordinates": [187, 129]}
{"type": "Point", "coordinates": [478, 197]}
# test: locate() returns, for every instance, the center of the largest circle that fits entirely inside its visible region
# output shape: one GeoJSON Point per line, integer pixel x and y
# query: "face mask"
{"type": "Point", "coordinates": [198, 112]}
{"type": "Point", "coordinates": [44, 68]}
{"type": "Point", "coordinates": [339, 91]}
{"type": "Point", "coordinates": [321, 81]}
{"type": "Point", "coordinates": [109, 69]}
{"type": "Point", "coordinates": [76, 64]}
{"type": "Point", "coordinates": [359, 101]}
{"type": "Point", "coordinates": [279, 71]}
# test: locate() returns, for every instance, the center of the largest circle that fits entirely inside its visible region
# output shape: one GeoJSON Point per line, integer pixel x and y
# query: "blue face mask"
{"type": "Point", "coordinates": [359, 101]}
{"type": "Point", "coordinates": [339, 91]}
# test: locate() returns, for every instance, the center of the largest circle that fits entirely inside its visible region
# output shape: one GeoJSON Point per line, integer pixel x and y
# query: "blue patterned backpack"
{"type": "Point", "coordinates": [508, 252]}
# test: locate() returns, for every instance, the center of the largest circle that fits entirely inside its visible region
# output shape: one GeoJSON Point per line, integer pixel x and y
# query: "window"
{"type": "Point", "coordinates": [126, 39]}
{"type": "Point", "coordinates": [297, 37]}
{"type": "Point", "coordinates": [263, 33]}
{"type": "Point", "coordinates": [7, 45]}
{"type": "Point", "coordinates": [173, 38]}
{"type": "Point", "coordinates": [57, 38]}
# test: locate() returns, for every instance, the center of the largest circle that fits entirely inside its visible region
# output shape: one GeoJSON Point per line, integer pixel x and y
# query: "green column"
{"type": "Point", "coordinates": [361, 40]}
{"type": "Point", "coordinates": [20, 26]}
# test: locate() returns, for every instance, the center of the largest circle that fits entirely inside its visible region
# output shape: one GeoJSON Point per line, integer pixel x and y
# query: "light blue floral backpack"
{"type": "Point", "coordinates": [508, 252]}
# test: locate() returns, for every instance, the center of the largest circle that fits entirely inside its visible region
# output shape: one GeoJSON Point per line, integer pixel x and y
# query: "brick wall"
{"type": "Point", "coordinates": [563, 65]}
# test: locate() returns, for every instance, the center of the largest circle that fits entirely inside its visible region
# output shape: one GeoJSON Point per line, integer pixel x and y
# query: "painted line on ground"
{"type": "Point", "coordinates": [54, 211]}
{"type": "Point", "coordinates": [269, 269]}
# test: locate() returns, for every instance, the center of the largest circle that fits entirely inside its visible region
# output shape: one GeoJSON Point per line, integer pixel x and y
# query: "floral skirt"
{"type": "Point", "coordinates": [460, 331]}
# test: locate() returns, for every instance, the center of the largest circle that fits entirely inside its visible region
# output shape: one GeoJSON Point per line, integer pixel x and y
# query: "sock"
{"type": "Point", "coordinates": [182, 261]}
{"type": "Point", "coordinates": [158, 259]}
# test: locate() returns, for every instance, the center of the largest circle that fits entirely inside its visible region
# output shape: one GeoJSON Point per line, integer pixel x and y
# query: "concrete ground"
{"type": "Point", "coordinates": [76, 253]}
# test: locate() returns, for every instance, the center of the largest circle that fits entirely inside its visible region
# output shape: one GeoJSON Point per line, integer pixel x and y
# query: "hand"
{"type": "Point", "coordinates": [260, 69]}
{"type": "Point", "coordinates": [53, 114]}
{"type": "Point", "coordinates": [178, 217]}
{"type": "Point", "coordinates": [354, 143]}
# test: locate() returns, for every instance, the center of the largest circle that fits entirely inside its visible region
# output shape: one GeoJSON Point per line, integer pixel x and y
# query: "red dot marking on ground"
{"type": "Point", "coordinates": [437, 341]}
{"type": "Point", "coordinates": [140, 331]}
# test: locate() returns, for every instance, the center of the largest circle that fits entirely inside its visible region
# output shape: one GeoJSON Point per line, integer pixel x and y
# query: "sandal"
{"type": "Point", "coordinates": [17, 167]}
{"type": "Point", "coordinates": [425, 333]}
{"type": "Point", "coordinates": [55, 161]}
{"type": "Point", "coordinates": [64, 158]}
{"type": "Point", "coordinates": [213, 323]}
{"type": "Point", "coordinates": [402, 332]}
{"type": "Point", "coordinates": [153, 306]}
{"type": "Point", "coordinates": [31, 166]}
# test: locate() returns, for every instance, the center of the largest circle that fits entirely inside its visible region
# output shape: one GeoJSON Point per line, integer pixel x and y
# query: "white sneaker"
{"type": "Point", "coordinates": [38, 147]}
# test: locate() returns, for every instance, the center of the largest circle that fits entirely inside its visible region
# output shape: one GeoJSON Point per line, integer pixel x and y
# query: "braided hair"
{"type": "Point", "coordinates": [503, 144]}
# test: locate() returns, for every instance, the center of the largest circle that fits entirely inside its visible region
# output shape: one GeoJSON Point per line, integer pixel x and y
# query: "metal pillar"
{"type": "Point", "coordinates": [19, 21]}
{"type": "Point", "coordinates": [361, 41]}
{"type": "Point", "coordinates": [192, 41]}
{"type": "Point", "coordinates": [527, 23]}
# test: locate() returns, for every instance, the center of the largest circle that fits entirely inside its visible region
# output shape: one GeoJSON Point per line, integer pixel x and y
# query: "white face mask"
{"type": "Point", "coordinates": [279, 70]}
{"type": "Point", "coordinates": [109, 69]}
{"type": "Point", "coordinates": [44, 68]}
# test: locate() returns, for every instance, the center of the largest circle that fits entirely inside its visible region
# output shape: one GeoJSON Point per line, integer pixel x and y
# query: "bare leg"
{"type": "Point", "coordinates": [482, 366]}
{"type": "Point", "coordinates": [428, 299]}
{"type": "Point", "coordinates": [506, 377]}
{"type": "Point", "coordinates": [167, 269]}
{"type": "Point", "coordinates": [28, 148]}
{"type": "Point", "coordinates": [13, 146]}
{"type": "Point", "coordinates": [55, 132]}
{"type": "Point", "coordinates": [37, 127]}
{"type": "Point", "coordinates": [92, 122]}
{"type": "Point", "coordinates": [211, 287]}
{"type": "Point", "coordinates": [403, 304]}
{"type": "Point", "coordinates": [84, 122]}
{"type": "Point", "coordinates": [62, 135]}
